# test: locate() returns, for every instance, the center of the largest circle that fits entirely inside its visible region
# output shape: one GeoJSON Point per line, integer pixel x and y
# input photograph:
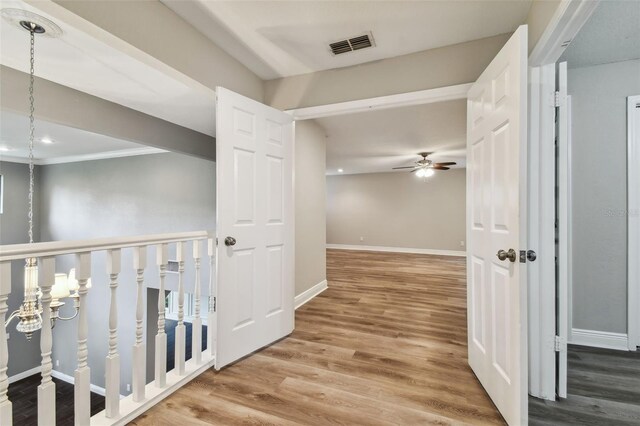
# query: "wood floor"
{"type": "Point", "coordinates": [603, 389]}
{"type": "Point", "coordinates": [385, 344]}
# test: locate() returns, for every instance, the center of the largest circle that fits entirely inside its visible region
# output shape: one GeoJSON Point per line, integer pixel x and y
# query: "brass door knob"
{"type": "Point", "coordinates": [229, 241]}
{"type": "Point", "coordinates": [504, 255]}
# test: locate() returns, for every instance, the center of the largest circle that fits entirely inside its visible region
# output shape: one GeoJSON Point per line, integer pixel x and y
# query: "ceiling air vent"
{"type": "Point", "coordinates": [351, 44]}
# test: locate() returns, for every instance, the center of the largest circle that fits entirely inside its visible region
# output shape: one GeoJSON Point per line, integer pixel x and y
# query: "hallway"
{"type": "Point", "coordinates": [385, 344]}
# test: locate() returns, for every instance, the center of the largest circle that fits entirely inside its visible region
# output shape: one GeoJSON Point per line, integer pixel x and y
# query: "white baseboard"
{"type": "Point", "coordinates": [309, 294]}
{"type": "Point", "coordinates": [70, 379]}
{"type": "Point", "coordinates": [398, 250]}
{"type": "Point", "coordinates": [599, 339]}
{"type": "Point", "coordinates": [24, 374]}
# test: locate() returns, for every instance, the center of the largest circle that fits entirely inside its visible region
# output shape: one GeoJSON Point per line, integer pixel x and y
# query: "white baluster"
{"type": "Point", "coordinates": [211, 317]}
{"type": "Point", "coordinates": [162, 259]}
{"type": "Point", "coordinates": [112, 366]}
{"type": "Point", "coordinates": [46, 389]}
{"type": "Point", "coordinates": [180, 328]}
{"type": "Point", "coordinates": [6, 416]}
{"type": "Point", "coordinates": [196, 331]}
{"type": "Point", "coordinates": [82, 385]}
{"type": "Point", "coordinates": [139, 348]}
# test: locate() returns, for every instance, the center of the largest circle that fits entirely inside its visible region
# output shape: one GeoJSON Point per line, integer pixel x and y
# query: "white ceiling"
{"type": "Point", "coordinates": [612, 34]}
{"type": "Point", "coordinates": [377, 141]}
{"type": "Point", "coordinates": [93, 61]}
{"type": "Point", "coordinates": [284, 38]}
{"type": "Point", "coordinates": [69, 144]}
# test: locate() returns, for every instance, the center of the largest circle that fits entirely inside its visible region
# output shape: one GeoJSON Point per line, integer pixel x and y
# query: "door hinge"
{"type": "Point", "coordinates": [556, 99]}
{"type": "Point", "coordinates": [213, 304]}
{"type": "Point", "coordinates": [560, 344]}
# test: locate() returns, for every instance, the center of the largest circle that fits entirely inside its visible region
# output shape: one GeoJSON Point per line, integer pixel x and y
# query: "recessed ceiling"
{"type": "Point", "coordinates": [612, 34]}
{"type": "Point", "coordinates": [67, 143]}
{"type": "Point", "coordinates": [377, 141]}
{"type": "Point", "coordinates": [89, 59]}
{"type": "Point", "coordinates": [284, 38]}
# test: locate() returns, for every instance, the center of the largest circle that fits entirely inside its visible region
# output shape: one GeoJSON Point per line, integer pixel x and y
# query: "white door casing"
{"type": "Point", "coordinates": [633, 215]}
{"type": "Point", "coordinates": [563, 295]}
{"type": "Point", "coordinates": [255, 277]}
{"type": "Point", "coordinates": [496, 214]}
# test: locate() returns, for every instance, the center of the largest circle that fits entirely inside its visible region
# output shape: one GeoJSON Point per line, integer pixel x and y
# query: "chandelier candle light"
{"type": "Point", "coordinates": [30, 312]}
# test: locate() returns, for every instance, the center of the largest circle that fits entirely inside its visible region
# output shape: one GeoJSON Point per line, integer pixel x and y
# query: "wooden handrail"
{"type": "Point", "coordinates": [56, 248]}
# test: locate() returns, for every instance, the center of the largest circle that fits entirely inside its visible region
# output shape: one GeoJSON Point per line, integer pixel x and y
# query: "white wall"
{"type": "Point", "coordinates": [310, 215]}
{"type": "Point", "coordinates": [397, 210]}
{"type": "Point", "coordinates": [599, 185]}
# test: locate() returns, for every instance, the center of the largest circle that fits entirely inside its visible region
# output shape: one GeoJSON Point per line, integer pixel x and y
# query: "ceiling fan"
{"type": "Point", "coordinates": [426, 167]}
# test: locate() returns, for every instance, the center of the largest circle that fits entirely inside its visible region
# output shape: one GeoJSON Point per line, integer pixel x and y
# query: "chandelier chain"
{"type": "Point", "coordinates": [32, 129]}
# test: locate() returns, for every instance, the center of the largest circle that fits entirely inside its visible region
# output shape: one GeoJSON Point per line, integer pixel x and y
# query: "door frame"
{"type": "Point", "coordinates": [564, 25]}
{"type": "Point", "coordinates": [633, 220]}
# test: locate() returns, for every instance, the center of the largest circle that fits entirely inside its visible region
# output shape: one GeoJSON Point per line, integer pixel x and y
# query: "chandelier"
{"type": "Point", "coordinates": [65, 286]}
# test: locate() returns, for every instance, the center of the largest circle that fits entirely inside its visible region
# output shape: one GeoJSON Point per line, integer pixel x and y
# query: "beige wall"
{"type": "Point", "coordinates": [397, 210]}
{"type": "Point", "coordinates": [170, 39]}
{"type": "Point", "coordinates": [310, 193]}
{"type": "Point", "coordinates": [93, 114]}
{"type": "Point", "coordinates": [538, 18]}
{"type": "Point", "coordinates": [446, 66]}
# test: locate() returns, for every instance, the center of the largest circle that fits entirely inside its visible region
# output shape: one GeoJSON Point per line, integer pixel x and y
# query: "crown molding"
{"type": "Point", "coordinates": [85, 157]}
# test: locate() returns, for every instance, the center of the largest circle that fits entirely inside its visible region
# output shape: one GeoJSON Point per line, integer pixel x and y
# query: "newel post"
{"type": "Point", "coordinates": [46, 389]}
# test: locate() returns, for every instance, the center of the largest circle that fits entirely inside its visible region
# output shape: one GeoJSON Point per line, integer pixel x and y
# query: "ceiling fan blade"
{"type": "Point", "coordinates": [437, 167]}
{"type": "Point", "coordinates": [406, 167]}
{"type": "Point", "coordinates": [415, 170]}
{"type": "Point", "coordinates": [446, 163]}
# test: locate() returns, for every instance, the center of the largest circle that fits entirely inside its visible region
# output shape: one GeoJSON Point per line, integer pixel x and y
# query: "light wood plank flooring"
{"type": "Point", "coordinates": [385, 344]}
{"type": "Point", "coordinates": [603, 389]}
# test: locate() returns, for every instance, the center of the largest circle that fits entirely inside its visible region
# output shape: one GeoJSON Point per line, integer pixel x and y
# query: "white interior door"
{"type": "Point", "coordinates": [496, 222]}
{"type": "Point", "coordinates": [564, 234]}
{"type": "Point", "coordinates": [255, 226]}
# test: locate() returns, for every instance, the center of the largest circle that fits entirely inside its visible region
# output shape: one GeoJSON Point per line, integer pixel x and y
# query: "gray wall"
{"type": "Point", "coordinates": [397, 210]}
{"type": "Point", "coordinates": [23, 354]}
{"type": "Point", "coordinates": [121, 197]}
{"type": "Point", "coordinates": [310, 210]}
{"type": "Point", "coordinates": [599, 185]}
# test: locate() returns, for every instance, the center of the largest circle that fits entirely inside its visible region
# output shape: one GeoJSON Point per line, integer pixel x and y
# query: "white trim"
{"type": "Point", "coordinates": [85, 157]}
{"type": "Point", "coordinates": [440, 94]}
{"type": "Point", "coordinates": [633, 218]}
{"type": "Point", "coordinates": [24, 374]}
{"type": "Point", "coordinates": [398, 250]}
{"type": "Point", "coordinates": [309, 294]}
{"type": "Point", "coordinates": [565, 23]}
{"type": "Point", "coordinates": [71, 380]}
{"type": "Point", "coordinates": [599, 339]}
{"type": "Point", "coordinates": [541, 274]}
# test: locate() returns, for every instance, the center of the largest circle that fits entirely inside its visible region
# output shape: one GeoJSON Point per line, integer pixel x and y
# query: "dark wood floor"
{"type": "Point", "coordinates": [385, 344]}
{"type": "Point", "coordinates": [603, 389]}
{"type": "Point", "coordinates": [23, 395]}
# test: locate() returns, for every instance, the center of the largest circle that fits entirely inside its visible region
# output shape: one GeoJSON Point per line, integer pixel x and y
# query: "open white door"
{"type": "Point", "coordinates": [564, 235]}
{"type": "Point", "coordinates": [255, 226]}
{"type": "Point", "coordinates": [496, 224]}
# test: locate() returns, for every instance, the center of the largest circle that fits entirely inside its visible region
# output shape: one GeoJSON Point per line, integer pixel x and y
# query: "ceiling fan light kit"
{"type": "Point", "coordinates": [425, 167]}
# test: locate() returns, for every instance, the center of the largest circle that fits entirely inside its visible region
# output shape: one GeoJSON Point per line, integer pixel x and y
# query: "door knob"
{"type": "Point", "coordinates": [504, 255]}
{"type": "Point", "coordinates": [229, 241]}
